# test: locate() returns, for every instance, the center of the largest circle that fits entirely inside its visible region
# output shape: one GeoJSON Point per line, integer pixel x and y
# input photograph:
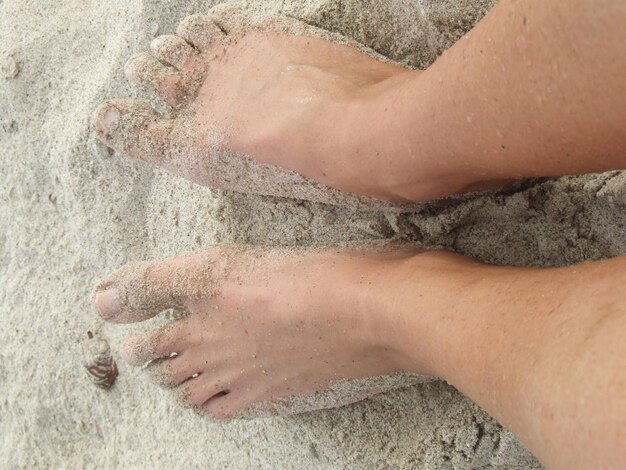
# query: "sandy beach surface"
{"type": "Point", "coordinates": [72, 211]}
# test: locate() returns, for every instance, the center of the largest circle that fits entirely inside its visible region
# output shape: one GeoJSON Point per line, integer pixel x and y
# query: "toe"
{"type": "Point", "coordinates": [196, 391]}
{"type": "Point", "coordinates": [200, 31]}
{"type": "Point", "coordinates": [132, 128]}
{"type": "Point", "coordinates": [136, 292]}
{"type": "Point", "coordinates": [163, 80]}
{"type": "Point", "coordinates": [227, 16]}
{"type": "Point", "coordinates": [172, 50]}
{"type": "Point", "coordinates": [161, 371]}
{"type": "Point", "coordinates": [156, 344]}
{"type": "Point", "coordinates": [141, 290]}
{"type": "Point", "coordinates": [170, 372]}
{"type": "Point", "coordinates": [224, 406]}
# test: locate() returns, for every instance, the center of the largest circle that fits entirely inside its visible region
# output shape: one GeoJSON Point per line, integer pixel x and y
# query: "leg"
{"type": "Point", "coordinates": [535, 89]}
{"type": "Point", "coordinates": [541, 350]}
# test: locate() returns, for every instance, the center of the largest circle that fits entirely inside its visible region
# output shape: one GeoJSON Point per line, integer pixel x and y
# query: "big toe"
{"type": "Point", "coordinates": [135, 292]}
{"type": "Point", "coordinates": [141, 290]}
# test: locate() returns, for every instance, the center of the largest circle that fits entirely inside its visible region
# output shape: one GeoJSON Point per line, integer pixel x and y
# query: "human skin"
{"type": "Point", "coordinates": [543, 351]}
{"type": "Point", "coordinates": [535, 89]}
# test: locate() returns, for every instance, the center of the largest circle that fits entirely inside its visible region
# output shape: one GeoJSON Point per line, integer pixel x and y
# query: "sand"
{"type": "Point", "coordinates": [72, 212]}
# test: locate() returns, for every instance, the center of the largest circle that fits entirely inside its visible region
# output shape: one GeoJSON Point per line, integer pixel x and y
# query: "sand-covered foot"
{"type": "Point", "coordinates": [262, 325]}
{"type": "Point", "coordinates": [257, 107]}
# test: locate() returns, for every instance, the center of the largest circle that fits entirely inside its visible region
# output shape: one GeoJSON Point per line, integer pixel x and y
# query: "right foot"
{"type": "Point", "coordinates": [280, 99]}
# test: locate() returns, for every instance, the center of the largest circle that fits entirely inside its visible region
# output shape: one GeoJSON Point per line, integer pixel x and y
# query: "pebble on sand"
{"type": "Point", "coordinates": [9, 68]}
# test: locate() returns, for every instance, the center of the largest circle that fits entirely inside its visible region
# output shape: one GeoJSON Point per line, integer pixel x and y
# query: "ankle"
{"type": "Point", "coordinates": [401, 153]}
{"type": "Point", "coordinates": [417, 292]}
{"type": "Point", "coordinates": [378, 151]}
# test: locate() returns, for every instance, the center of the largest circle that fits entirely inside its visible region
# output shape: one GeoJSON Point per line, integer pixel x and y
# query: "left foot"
{"type": "Point", "coordinates": [262, 325]}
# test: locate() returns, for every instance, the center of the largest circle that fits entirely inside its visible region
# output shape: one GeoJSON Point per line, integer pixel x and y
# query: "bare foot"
{"type": "Point", "coordinates": [242, 90]}
{"type": "Point", "coordinates": [262, 325]}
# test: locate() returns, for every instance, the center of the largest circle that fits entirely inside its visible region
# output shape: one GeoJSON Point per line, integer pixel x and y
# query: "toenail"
{"type": "Point", "coordinates": [109, 120]}
{"type": "Point", "coordinates": [105, 120]}
{"type": "Point", "coordinates": [107, 303]}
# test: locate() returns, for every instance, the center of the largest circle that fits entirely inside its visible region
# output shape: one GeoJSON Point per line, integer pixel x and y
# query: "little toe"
{"type": "Point", "coordinates": [156, 344]}
{"type": "Point", "coordinates": [132, 128]}
{"type": "Point", "coordinates": [196, 391]}
{"type": "Point", "coordinates": [165, 81]}
{"type": "Point", "coordinates": [200, 31]}
{"type": "Point", "coordinates": [225, 406]}
{"type": "Point", "coordinates": [228, 16]}
{"type": "Point", "coordinates": [172, 50]}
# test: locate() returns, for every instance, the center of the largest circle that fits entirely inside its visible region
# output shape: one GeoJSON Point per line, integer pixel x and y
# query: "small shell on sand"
{"type": "Point", "coordinates": [98, 362]}
{"type": "Point", "coordinates": [9, 68]}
